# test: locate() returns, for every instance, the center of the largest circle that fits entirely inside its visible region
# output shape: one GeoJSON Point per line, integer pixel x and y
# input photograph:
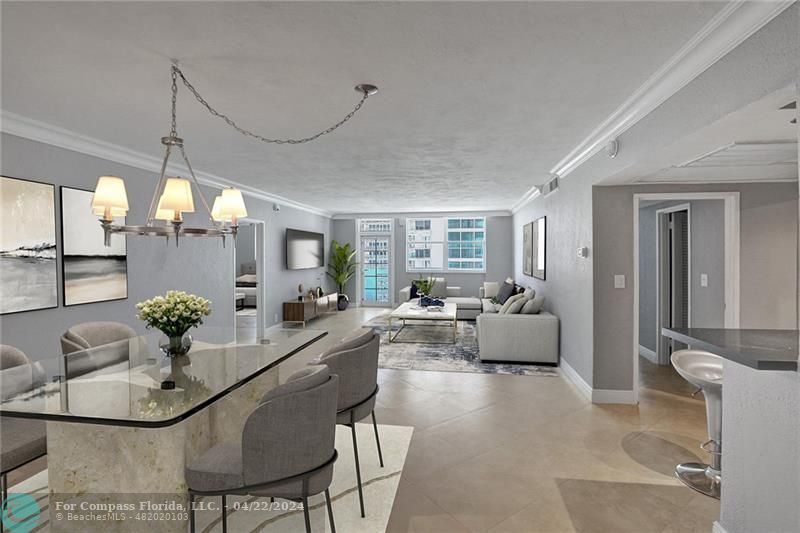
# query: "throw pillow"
{"type": "Point", "coordinates": [517, 306]}
{"type": "Point", "coordinates": [505, 291]}
{"type": "Point", "coordinates": [529, 293]}
{"type": "Point", "coordinates": [509, 302]}
{"type": "Point", "coordinates": [440, 288]}
{"type": "Point", "coordinates": [533, 306]}
{"type": "Point", "coordinates": [490, 289]}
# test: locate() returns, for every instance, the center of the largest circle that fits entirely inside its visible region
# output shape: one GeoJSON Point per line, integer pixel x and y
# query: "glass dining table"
{"type": "Point", "coordinates": [123, 420]}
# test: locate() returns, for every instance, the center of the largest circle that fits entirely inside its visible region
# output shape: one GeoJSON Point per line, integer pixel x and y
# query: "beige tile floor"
{"type": "Point", "coordinates": [495, 453]}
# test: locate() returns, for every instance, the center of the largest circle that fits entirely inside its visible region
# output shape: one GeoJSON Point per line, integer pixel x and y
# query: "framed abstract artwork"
{"type": "Point", "coordinates": [539, 248]}
{"type": "Point", "coordinates": [92, 272]}
{"type": "Point", "coordinates": [28, 274]}
{"type": "Point", "coordinates": [527, 249]}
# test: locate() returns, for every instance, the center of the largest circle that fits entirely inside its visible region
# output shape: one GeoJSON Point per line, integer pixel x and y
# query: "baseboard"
{"type": "Point", "coordinates": [595, 395]}
{"type": "Point", "coordinates": [648, 354]}
{"type": "Point", "coordinates": [572, 375]}
{"type": "Point", "coordinates": [612, 396]}
{"type": "Point", "coordinates": [717, 528]}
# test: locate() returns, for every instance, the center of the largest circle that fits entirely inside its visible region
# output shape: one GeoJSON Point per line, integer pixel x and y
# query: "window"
{"type": "Point", "coordinates": [445, 244]}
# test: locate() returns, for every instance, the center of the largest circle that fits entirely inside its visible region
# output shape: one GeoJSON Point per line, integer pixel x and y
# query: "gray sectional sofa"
{"type": "Point", "coordinates": [528, 338]}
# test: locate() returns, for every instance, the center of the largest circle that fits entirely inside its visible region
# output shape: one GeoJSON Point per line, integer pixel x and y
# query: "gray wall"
{"type": "Point", "coordinates": [768, 292]}
{"type": "Point", "coordinates": [201, 266]}
{"type": "Point", "coordinates": [707, 256]}
{"type": "Point", "coordinates": [568, 287]}
{"type": "Point", "coordinates": [245, 246]}
{"type": "Point", "coordinates": [344, 232]}
{"type": "Point", "coordinates": [604, 363]}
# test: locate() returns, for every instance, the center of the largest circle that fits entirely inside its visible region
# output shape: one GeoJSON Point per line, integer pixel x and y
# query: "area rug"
{"type": "Point", "coordinates": [249, 514]}
{"type": "Point", "coordinates": [459, 357]}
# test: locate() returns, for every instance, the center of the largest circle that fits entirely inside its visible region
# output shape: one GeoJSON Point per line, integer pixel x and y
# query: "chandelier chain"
{"type": "Point", "coordinates": [177, 72]}
{"type": "Point", "coordinates": [174, 131]}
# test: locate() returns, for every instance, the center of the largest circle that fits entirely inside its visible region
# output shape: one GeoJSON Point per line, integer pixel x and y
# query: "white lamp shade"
{"type": "Point", "coordinates": [232, 204]}
{"type": "Point", "coordinates": [109, 194]}
{"type": "Point", "coordinates": [164, 214]}
{"type": "Point", "coordinates": [177, 196]}
{"type": "Point", "coordinates": [215, 211]}
{"type": "Point", "coordinates": [115, 211]}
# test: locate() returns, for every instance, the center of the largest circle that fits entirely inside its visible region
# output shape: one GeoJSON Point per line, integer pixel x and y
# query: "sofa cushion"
{"type": "Point", "coordinates": [465, 303]}
{"type": "Point", "coordinates": [533, 306]}
{"type": "Point", "coordinates": [516, 307]}
{"type": "Point", "coordinates": [529, 293]}
{"type": "Point", "coordinates": [439, 288]}
{"type": "Point", "coordinates": [490, 289]}
{"type": "Point", "coordinates": [504, 292]}
{"type": "Point", "coordinates": [510, 301]}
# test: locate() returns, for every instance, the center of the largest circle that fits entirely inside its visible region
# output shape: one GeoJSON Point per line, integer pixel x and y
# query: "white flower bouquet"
{"type": "Point", "coordinates": [175, 313]}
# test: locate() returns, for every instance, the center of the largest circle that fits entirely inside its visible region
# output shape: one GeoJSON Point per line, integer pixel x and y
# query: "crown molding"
{"type": "Point", "coordinates": [423, 213]}
{"type": "Point", "coordinates": [734, 23]}
{"type": "Point", "coordinates": [533, 193]}
{"type": "Point", "coordinates": [39, 131]}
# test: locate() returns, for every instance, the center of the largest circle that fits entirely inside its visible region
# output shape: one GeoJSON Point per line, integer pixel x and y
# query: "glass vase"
{"type": "Point", "coordinates": [175, 345]}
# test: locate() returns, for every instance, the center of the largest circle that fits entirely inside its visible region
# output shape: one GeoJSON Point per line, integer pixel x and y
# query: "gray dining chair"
{"type": "Point", "coordinates": [91, 334]}
{"type": "Point", "coordinates": [287, 448]}
{"type": "Point", "coordinates": [23, 441]}
{"type": "Point", "coordinates": [355, 361]}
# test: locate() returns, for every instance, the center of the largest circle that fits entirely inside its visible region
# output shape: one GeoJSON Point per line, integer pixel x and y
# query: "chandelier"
{"type": "Point", "coordinates": [173, 194]}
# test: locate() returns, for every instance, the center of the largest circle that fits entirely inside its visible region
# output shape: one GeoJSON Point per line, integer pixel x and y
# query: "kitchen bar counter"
{"type": "Point", "coordinates": [761, 349]}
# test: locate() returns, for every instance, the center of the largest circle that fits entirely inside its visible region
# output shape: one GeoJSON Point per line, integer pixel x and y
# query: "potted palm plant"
{"type": "Point", "coordinates": [341, 268]}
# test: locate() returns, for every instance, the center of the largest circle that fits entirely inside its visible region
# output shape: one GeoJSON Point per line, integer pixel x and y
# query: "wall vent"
{"type": "Point", "coordinates": [550, 187]}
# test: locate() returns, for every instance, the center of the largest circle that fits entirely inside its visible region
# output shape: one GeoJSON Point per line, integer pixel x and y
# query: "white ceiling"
{"type": "Point", "coordinates": [478, 100]}
{"type": "Point", "coordinates": [754, 144]}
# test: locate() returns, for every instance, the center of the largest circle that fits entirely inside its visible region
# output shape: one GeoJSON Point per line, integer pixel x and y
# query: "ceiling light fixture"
{"type": "Point", "coordinates": [173, 195]}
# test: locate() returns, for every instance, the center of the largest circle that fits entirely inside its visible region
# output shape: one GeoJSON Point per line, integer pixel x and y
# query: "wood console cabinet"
{"type": "Point", "coordinates": [309, 309]}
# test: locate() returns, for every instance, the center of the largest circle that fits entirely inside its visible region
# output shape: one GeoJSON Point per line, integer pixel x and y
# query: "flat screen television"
{"type": "Point", "coordinates": [304, 249]}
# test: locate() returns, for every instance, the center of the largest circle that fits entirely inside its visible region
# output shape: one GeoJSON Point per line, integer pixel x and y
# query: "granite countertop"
{"type": "Point", "coordinates": [762, 349]}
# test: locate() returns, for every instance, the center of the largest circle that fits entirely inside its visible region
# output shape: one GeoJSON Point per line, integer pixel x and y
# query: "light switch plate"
{"type": "Point", "coordinates": [619, 281]}
{"type": "Point", "coordinates": [704, 280]}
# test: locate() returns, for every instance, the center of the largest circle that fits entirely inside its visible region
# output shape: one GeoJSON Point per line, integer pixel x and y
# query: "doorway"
{"type": "Point", "coordinates": [673, 275]}
{"type": "Point", "coordinates": [375, 262]}
{"type": "Point", "coordinates": [249, 296]}
{"type": "Point", "coordinates": [712, 273]}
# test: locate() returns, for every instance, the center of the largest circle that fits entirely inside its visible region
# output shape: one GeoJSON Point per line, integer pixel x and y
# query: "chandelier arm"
{"type": "Point", "coordinates": [231, 123]}
{"type": "Point", "coordinates": [151, 213]}
{"type": "Point", "coordinates": [199, 190]}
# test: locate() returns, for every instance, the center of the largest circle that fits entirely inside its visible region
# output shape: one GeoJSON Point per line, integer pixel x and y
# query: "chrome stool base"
{"type": "Point", "coordinates": [700, 477]}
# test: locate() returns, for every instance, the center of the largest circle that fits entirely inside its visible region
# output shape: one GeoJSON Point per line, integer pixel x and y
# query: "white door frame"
{"type": "Point", "coordinates": [660, 357]}
{"type": "Point", "coordinates": [261, 276]}
{"type": "Point", "coordinates": [732, 245]}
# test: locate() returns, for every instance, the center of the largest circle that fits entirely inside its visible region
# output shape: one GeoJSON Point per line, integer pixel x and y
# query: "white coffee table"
{"type": "Point", "coordinates": [410, 311]}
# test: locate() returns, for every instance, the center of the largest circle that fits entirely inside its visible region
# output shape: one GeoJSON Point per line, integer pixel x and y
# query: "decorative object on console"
{"type": "Point", "coordinates": [539, 248]}
{"type": "Point", "coordinates": [300, 297]}
{"type": "Point", "coordinates": [28, 278]}
{"type": "Point", "coordinates": [428, 301]}
{"type": "Point", "coordinates": [174, 315]}
{"type": "Point", "coordinates": [341, 268]}
{"type": "Point", "coordinates": [91, 271]}
{"type": "Point", "coordinates": [527, 249]}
